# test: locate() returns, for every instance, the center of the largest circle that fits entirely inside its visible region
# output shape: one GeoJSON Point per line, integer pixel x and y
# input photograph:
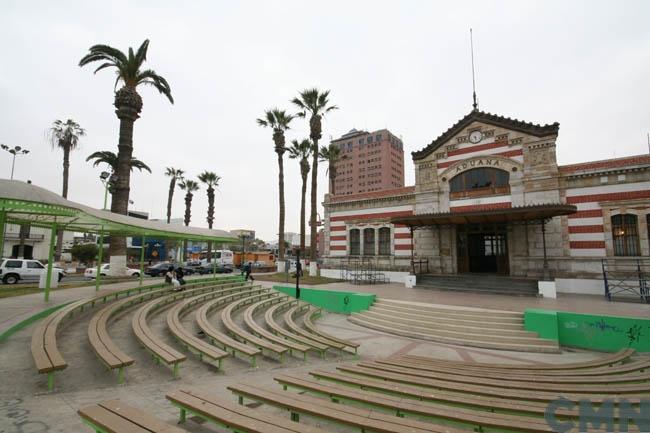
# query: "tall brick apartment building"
{"type": "Point", "coordinates": [489, 197]}
{"type": "Point", "coordinates": [373, 161]}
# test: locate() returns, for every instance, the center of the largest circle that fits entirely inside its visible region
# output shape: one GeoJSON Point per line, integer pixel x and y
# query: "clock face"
{"type": "Point", "coordinates": [475, 136]}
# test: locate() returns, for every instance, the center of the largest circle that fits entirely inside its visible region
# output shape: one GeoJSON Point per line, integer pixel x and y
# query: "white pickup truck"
{"type": "Point", "coordinates": [13, 271]}
{"type": "Point", "coordinates": [92, 272]}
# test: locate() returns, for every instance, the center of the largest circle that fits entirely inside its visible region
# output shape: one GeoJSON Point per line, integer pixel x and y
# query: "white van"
{"type": "Point", "coordinates": [222, 257]}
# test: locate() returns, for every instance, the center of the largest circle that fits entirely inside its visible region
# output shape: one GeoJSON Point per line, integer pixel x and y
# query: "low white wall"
{"type": "Point", "coordinates": [393, 276]}
{"type": "Point", "coordinates": [581, 286]}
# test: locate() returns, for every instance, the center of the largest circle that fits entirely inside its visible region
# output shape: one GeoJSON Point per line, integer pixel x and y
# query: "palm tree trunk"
{"type": "Point", "coordinates": [332, 180]}
{"type": "Point", "coordinates": [188, 217]}
{"type": "Point", "coordinates": [302, 212]}
{"type": "Point", "coordinates": [64, 193]}
{"type": "Point", "coordinates": [170, 197]}
{"type": "Point", "coordinates": [314, 199]}
{"type": "Point", "coordinates": [281, 222]}
{"type": "Point", "coordinates": [126, 102]}
{"type": "Point", "coordinates": [210, 218]}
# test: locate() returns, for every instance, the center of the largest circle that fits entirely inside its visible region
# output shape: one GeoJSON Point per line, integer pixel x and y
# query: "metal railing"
{"type": "Point", "coordinates": [362, 271]}
{"type": "Point", "coordinates": [627, 276]}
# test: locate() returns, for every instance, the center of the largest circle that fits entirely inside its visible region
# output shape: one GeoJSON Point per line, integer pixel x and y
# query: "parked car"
{"type": "Point", "coordinates": [13, 271]}
{"type": "Point", "coordinates": [208, 268]}
{"type": "Point", "coordinates": [160, 269]}
{"type": "Point", "coordinates": [92, 272]}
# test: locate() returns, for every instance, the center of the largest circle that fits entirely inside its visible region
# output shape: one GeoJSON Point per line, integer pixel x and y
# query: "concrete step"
{"type": "Point", "coordinates": [539, 345]}
{"type": "Point", "coordinates": [451, 311]}
{"type": "Point", "coordinates": [457, 319]}
{"type": "Point", "coordinates": [479, 283]}
{"type": "Point", "coordinates": [450, 325]}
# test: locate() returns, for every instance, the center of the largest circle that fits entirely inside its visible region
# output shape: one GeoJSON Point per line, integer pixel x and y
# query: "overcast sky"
{"type": "Point", "coordinates": [404, 65]}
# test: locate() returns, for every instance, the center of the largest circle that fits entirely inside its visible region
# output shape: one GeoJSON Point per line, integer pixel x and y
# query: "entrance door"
{"type": "Point", "coordinates": [482, 248]}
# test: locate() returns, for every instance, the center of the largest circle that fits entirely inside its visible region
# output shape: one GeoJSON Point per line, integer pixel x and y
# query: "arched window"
{"type": "Point", "coordinates": [355, 244]}
{"type": "Point", "coordinates": [479, 181]}
{"type": "Point", "coordinates": [368, 242]}
{"type": "Point", "coordinates": [626, 235]}
{"type": "Point", "coordinates": [384, 241]}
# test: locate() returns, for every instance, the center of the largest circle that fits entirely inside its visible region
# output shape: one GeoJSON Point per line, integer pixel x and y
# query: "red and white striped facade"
{"type": "Point", "coordinates": [526, 152]}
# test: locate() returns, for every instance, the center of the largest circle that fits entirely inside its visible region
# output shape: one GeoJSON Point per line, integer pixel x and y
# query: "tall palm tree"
{"type": "Point", "coordinates": [279, 121]}
{"type": "Point", "coordinates": [128, 104]}
{"type": "Point", "coordinates": [314, 103]}
{"type": "Point", "coordinates": [302, 151]}
{"type": "Point", "coordinates": [175, 175]}
{"type": "Point", "coordinates": [64, 135]}
{"type": "Point", "coordinates": [190, 187]}
{"type": "Point", "coordinates": [111, 159]}
{"type": "Point", "coordinates": [332, 155]}
{"type": "Point", "coordinates": [211, 180]}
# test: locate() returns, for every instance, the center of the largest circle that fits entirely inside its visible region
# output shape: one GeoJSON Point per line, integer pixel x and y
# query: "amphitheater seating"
{"type": "Point", "coordinates": [263, 333]}
{"type": "Point", "coordinates": [244, 336]}
{"type": "Point", "coordinates": [277, 329]}
{"type": "Point", "coordinates": [232, 416]}
{"type": "Point", "coordinates": [115, 416]}
{"type": "Point", "coordinates": [151, 342]}
{"type": "Point", "coordinates": [309, 324]}
{"type": "Point", "coordinates": [489, 329]}
{"type": "Point", "coordinates": [293, 326]}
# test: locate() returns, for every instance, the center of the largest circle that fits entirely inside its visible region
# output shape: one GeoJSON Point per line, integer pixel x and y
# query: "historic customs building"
{"type": "Point", "coordinates": [489, 197]}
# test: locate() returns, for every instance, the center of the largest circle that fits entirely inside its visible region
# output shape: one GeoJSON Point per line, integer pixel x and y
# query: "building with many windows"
{"type": "Point", "coordinates": [490, 198]}
{"type": "Point", "coordinates": [371, 161]}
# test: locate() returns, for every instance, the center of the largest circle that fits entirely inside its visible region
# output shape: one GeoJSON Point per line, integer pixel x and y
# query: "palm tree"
{"type": "Point", "coordinates": [279, 121]}
{"type": "Point", "coordinates": [175, 175]}
{"type": "Point", "coordinates": [332, 155]}
{"type": "Point", "coordinates": [211, 180]}
{"type": "Point", "coordinates": [64, 135]}
{"type": "Point", "coordinates": [111, 159]}
{"type": "Point", "coordinates": [316, 104]}
{"type": "Point", "coordinates": [302, 151]}
{"type": "Point", "coordinates": [128, 104]}
{"type": "Point", "coordinates": [190, 187]}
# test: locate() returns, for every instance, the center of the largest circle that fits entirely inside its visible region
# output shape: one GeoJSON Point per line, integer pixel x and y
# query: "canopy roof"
{"type": "Point", "coordinates": [27, 203]}
{"type": "Point", "coordinates": [522, 213]}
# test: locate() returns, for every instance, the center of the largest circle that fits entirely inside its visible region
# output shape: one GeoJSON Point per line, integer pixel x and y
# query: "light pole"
{"type": "Point", "coordinates": [16, 150]}
{"type": "Point", "coordinates": [107, 179]}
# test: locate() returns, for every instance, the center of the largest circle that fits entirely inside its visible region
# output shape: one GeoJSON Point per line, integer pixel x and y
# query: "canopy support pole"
{"type": "Point", "coordinates": [214, 265]}
{"type": "Point", "coordinates": [100, 258]}
{"type": "Point", "coordinates": [50, 258]}
{"type": "Point", "coordinates": [141, 260]}
{"type": "Point", "coordinates": [412, 256]}
{"type": "Point", "coordinates": [3, 220]}
{"type": "Point", "coordinates": [545, 272]}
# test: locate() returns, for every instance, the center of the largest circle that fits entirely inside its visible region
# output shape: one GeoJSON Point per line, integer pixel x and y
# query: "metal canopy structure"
{"type": "Point", "coordinates": [539, 213]}
{"type": "Point", "coordinates": [24, 203]}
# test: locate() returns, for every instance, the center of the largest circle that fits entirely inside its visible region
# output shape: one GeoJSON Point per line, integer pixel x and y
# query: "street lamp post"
{"type": "Point", "coordinates": [107, 179]}
{"type": "Point", "coordinates": [16, 150]}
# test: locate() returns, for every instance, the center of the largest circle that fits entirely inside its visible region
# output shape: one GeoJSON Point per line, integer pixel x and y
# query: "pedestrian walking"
{"type": "Point", "coordinates": [248, 268]}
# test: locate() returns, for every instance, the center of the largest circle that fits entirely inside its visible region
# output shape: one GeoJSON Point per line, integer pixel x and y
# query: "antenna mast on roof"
{"type": "Point", "coordinates": [471, 44]}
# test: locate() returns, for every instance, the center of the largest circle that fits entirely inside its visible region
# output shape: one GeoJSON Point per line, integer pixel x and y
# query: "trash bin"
{"type": "Point", "coordinates": [42, 280]}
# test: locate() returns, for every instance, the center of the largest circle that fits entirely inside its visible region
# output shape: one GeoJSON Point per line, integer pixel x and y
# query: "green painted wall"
{"type": "Point", "coordinates": [590, 331]}
{"type": "Point", "coordinates": [332, 300]}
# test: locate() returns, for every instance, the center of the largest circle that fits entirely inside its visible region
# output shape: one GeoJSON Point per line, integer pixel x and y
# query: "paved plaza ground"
{"type": "Point", "coordinates": [27, 407]}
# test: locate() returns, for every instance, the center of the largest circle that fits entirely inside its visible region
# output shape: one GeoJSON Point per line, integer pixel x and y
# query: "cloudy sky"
{"type": "Point", "coordinates": [401, 65]}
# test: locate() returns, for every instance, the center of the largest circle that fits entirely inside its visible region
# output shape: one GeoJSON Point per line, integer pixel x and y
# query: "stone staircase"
{"type": "Point", "coordinates": [490, 329]}
{"type": "Point", "coordinates": [479, 283]}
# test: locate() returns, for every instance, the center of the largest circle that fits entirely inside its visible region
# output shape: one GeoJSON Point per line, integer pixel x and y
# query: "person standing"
{"type": "Point", "coordinates": [248, 268]}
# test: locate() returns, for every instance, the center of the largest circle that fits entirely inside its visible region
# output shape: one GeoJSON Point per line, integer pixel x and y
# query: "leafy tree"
{"type": "Point", "coordinates": [175, 175]}
{"type": "Point", "coordinates": [315, 104]}
{"type": "Point", "coordinates": [85, 253]}
{"type": "Point", "coordinates": [65, 136]}
{"type": "Point", "coordinates": [332, 155]}
{"type": "Point", "coordinates": [128, 104]}
{"type": "Point", "coordinates": [211, 180]}
{"type": "Point", "coordinates": [279, 121]}
{"type": "Point", "coordinates": [302, 151]}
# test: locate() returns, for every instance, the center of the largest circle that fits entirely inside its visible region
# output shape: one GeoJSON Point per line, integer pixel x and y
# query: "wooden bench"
{"type": "Point", "coordinates": [113, 416]}
{"type": "Point", "coordinates": [103, 346]}
{"type": "Point", "coordinates": [192, 343]}
{"type": "Point", "coordinates": [364, 419]}
{"type": "Point", "coordinates": [263, 333]}
{"type": "Point", "coordinates": [160, 350]}
{"type": "Point", "coordinates": [232, 416]}
{"type": "Point", "coordinates": [309, 324]}
{"type": "Point", "coordinates": [621, 356]}
{"type": "Point", "coordinates": [521, 375]}
{"type": "Point", "coordinates": [290, 322]}
{"type": "Point", "coordinates": [476, 419]}
{"type": "Point", "coordinates": [44, 344]}
{"type": "Point", "coordinates": [277, 329]}
{"type": "Point", "coordinates": [219, 338]}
